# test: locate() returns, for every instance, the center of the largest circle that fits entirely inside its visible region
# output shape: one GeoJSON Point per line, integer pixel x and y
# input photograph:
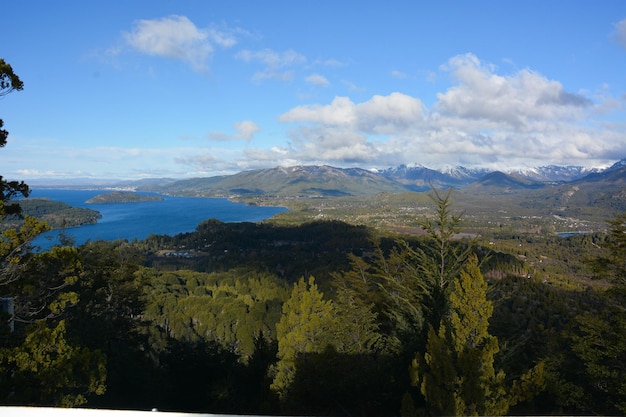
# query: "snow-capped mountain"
{"type": "Point", "coordinates": [420, 178]}
{"type": "Point", "coordinates": [554, 173]}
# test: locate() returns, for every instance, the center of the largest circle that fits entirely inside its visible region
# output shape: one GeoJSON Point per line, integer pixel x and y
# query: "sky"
{"type": "Point", "coordinates": [193, 88]}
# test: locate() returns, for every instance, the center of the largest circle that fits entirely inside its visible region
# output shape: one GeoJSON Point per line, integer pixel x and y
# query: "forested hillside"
{"type": "Point", "coordinates": [320, 318]}
{"type": "Point", "coordinates": [54, 213]}
{"type": "Point", "coordinates": [122, 197]}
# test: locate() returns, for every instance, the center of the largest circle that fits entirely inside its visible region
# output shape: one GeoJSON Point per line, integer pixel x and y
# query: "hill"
{"type": "Point", "coordinates": [498, 182]}
{"type": "Point", "coordinates": [420, 178]}
{"type": "Point", "coordinates": [594, 197]}
{"type": "Point", "coordinates": [55, 213]}
{"type": "Point", "coordinates": [600, 191]}
{"type": "Point", "coordinates": [297, 181]}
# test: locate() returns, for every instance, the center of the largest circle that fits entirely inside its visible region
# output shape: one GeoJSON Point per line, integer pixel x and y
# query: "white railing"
{"type": "Point", "coordinates": [90, 412]}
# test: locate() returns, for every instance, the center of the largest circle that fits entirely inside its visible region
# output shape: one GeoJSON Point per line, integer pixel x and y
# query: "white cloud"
{"type": "Point", "coordinates": [274, 63]}
{"type": "Point", "coordinates": [620, 33]}
{"type": "Point", "coordinates": [273, 59]}
{"type": "Point", "coordinates": [246, 130]}
{"type": "Point", "coordinates": [339, 112]}
{"type": "Point", "coordinates": [317, 79]}
{"type": "Point", "coordinates": [484, 118]}
{"type": "Point", "coordinates": [518, 101]}
{"type": "Point", "coordinates": [380, 114]}
{"type": "Point", "coordinates": [178, 37]}
{"type": "Point", "coordinates": [396, 112]}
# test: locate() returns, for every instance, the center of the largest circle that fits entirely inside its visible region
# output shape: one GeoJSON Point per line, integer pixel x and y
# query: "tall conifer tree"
{"type": "Point", "coordinates": [458, 376]}
{"type": "Point", "coordinates": [305, 326]}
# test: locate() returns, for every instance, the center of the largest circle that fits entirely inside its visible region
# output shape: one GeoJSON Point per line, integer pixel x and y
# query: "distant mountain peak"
{"type": "Point", "coordinates": [618, 165]}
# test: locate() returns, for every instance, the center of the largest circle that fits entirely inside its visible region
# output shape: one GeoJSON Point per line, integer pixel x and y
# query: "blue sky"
{"type": "Point", "coordinates": [188, 88]}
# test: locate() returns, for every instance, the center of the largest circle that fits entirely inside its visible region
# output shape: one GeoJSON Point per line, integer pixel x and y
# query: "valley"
{"type": "Point", "coordinates": [206, 310]}
{"type": "Point", "coordinates": [492, 202]}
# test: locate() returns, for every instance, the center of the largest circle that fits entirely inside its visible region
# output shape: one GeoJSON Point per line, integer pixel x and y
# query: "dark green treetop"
{"type": "Point", "coordinates": [9, 82]}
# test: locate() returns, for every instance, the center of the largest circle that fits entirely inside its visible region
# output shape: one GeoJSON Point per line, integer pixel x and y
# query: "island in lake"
{"type": "Point", "coordinates": [123, 197]}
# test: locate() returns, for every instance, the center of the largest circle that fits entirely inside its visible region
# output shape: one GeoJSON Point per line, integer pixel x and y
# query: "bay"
{"type": "Point", "coordinates": [130, 221]}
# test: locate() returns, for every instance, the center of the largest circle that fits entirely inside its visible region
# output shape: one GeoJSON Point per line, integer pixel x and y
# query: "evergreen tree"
{"type": "Point", "coordinates": [9, 82]}
{"type": "Point", "coordinates": [599, 340]}
{"type": "Point", "coordinates": [441, 259]}
{"type": "Point", "coordinates": [305, 326]}
{"type": "Point", "coordinates": [47, 369]}
{"type": "Point", "coordinates": [41, 362]}
{"type": "Point", "coordinates": [356, 328]}
{"type": "Point", "coordinates": [416, 277]}
{"type": "Point", "coordinates": [456, 375]}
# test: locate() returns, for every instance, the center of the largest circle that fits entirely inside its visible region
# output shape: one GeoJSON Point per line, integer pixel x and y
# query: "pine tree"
{"type": "Point", "coordinates": [457, 375]}
{"type": "Point", "coordinates": [305, 326]}
{"type": "Point", "coordinates": [599, 339]}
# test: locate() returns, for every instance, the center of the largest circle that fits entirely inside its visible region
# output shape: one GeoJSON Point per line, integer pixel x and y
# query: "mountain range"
{"type": "Point", "coordinates": [327, 181]}
{"type": "Point", "coordinates": [549, 186]}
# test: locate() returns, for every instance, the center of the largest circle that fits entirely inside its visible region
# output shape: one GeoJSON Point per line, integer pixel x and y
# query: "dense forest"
{"type": "Point", "coordinates": [321, 318]}
{"type": "Point", "coordinates": [123, 197]}
{"type": "Point", "coordinates": [55, 214]}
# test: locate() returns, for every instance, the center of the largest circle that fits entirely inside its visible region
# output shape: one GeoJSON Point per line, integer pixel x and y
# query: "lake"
{"type": "Point", "coordinates": [170, 216]}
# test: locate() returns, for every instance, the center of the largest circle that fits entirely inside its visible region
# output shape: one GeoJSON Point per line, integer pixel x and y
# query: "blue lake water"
{"type": "Point", "coordinates": [170, 216]}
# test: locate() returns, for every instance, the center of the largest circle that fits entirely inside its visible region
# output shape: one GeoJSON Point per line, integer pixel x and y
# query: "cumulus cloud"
{"type": "Point", "coordinates": [339, 112]}
{"type": "Point", "coordinates": [178, 37]}
{"type": "Point", "coordinates": [484, 118]}
{"type": "Point", "coordinates": [274, 63]}
{"type": "Point", "coordinates": [620, 33]}
{"type": "Point", "coordinates": [380, 114]}
{"type": "Point", "coordinates": [390, 114]}
{"type": "Point", "coordinates": [245, 130]}
{"type": "Point", "coordinates": [518, 100]}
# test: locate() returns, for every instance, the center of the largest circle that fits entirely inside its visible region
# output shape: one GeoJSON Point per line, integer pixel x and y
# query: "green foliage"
{"type": "Point", "coordinates": [15, 249]}
{"type": "Point", "coordinates": [54, 213]}
{"type": "Point", "coordinates": [320, 340]}
{"type": "Point", "coordinates": [611, 264]}
{"type": "Point", "coordinates": [600, 342]}
{"type": "Point", "coordinates": [357, 330]}
{"type": "Point", "coordinates": [47, 369]}
{"type": "Point", "coordinates": [123, 197]}
{"type": "Point", "coordinates": [230, 308]}
{"type": "Point", "coordinates": [383, 285]}
{"type": "Point", "coordinates": [219, 332]}
{"type": "Point", "coordinates": [318, 248]}
{"type": "Point", "coordinates": [305, 326]}
{"type": "Point", "coordinates": [458, 376]}
{"type": "Point", "coordinates": [40, 363]}
{"type": "Point", "coordinates": [110, 292]}
{"type": "Point", "coordinates": [9, 82]}
{"type": "Point", "coordinates": [441, 260]}
{"type": "Point", "coordinates": [599, 337]}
